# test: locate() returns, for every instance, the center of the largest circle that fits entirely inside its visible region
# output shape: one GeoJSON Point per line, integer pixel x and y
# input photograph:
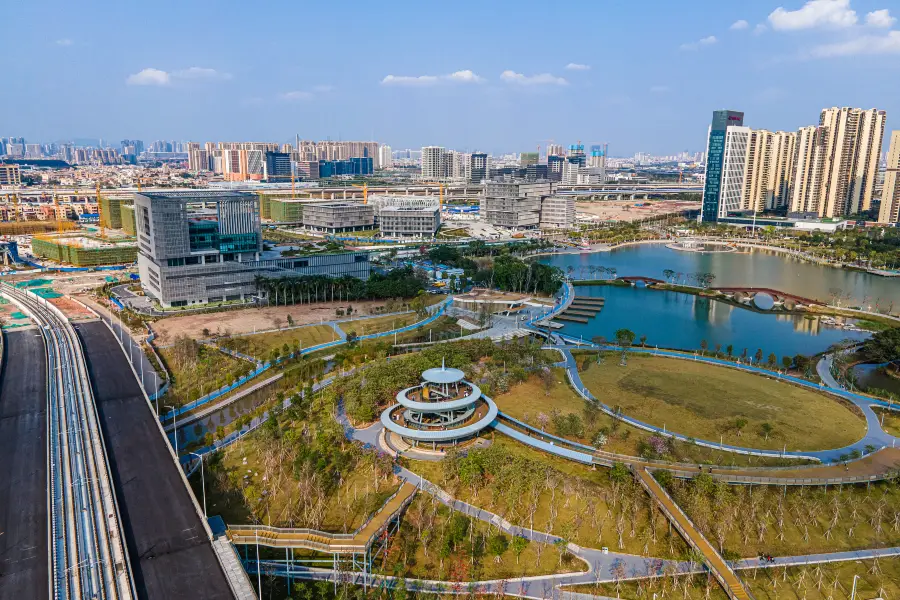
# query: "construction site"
{"type": "Point", "coordinates": [82, 250]}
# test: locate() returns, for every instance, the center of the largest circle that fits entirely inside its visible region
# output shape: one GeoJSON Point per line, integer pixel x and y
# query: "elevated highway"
{"type": "Point", "coordinates": [87, 551]}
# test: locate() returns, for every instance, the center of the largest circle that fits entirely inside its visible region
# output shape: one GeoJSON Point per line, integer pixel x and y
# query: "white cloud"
{"type": "Point", "coordinates": [739, 25]}
{"type": "Point", "coordinates": [760, 29]}
{"type": "Point", "coordinates": [323, 89]}
{"type": "Point", "coordinates": [465, 76]}
{"type": "Point", "coordinates": [835, 14]}
{"type": "Point", "coordinates": [296, 95]}
{"type": "Point", "coordinates": [64, 42]}
{"type": "Point", "coordinates": [540, 79]}
{"type": "Point", "coordinates": [577, 67]}
{"type": "Point", "coordinates": [659, 89]}
{"type": "Point", "coordinates": [866, 44]}
{"type": "Point", "coordinates": [149, 77]}
{"type": "Point", "coordinates": [880, 18]}
{"type": "Point", "coordinates": [200, 73]}
{"type": "Point", "coordinates": [707, 41]}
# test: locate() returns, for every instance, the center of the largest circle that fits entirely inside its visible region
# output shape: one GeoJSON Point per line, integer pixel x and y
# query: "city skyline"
{"type": "Point", "coordinates": [637, 77]}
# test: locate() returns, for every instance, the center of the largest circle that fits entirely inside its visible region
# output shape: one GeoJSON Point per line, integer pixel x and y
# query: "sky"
{"type": "Point", "coordinates": [494, 76]}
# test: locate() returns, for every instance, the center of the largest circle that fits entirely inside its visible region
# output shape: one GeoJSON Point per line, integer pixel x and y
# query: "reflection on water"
{"type": "Point", "coordinates": [869, 377]}
{"type": "Point", "coordinates": [677, 320]}
{"type": "Point", "coordinates": [758, 268]}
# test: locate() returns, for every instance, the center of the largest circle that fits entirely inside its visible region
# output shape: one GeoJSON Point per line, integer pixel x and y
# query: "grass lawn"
{"type": "Point", "coordinates": [262, 344]}
{"type": "Point", "coordinates": [813, 582]}
{"type": "Point", "coordinates": [233, 485]}
{"type": "Point", "coordinates": [580, 504]}
{"type": "Point", "coordinates": [890, 420]}
{"type": "Point", "coordinates": [794, 521]}
{"type": "Point", "coordinates": [433, 519]}
{"type": "Point", "coordinates": [211, 370]}
{"type": "Point", "coordinates": [443, 327]}
{"type": "Point", "coordinates": [379, 324]}
{"type": "Point", "coordinates": [708, 402]}
{"type": "Point", "coordinates": [529, 399]}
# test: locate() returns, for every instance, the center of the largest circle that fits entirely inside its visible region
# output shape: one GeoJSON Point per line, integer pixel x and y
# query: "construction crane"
{"type": "Point", "coordinates": [59, 221]}
{"type": "Point", "coordinates": [440, 187]}
{"type": "Point", "coordinates": [365, 189]}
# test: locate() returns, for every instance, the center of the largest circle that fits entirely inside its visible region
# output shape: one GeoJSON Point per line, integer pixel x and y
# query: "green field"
{"type": "Point", "coordinates": [197, 370]}
{"type": "Point", "coordinates": [261, 345]}
{"type": "Point", "coordinates": [371, 325]}
{"type": "Point", "coordinates": [721, 404]}
{"type": "Point", "coordinates": [528, 400]}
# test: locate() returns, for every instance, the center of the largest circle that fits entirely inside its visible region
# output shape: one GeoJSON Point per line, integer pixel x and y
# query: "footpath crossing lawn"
{"type": "Point", "coordinates": [722, 404]}
{"type": "Point", "coordinates": [829, 581]}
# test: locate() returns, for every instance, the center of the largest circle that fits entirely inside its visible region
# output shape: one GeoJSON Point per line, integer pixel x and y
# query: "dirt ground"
{"type": "Point", "coordinates": [72, 309]}
{"type": "Point", "coordinates": [627, 211]}
{"type": "Point", "coordinates": [249, 320]}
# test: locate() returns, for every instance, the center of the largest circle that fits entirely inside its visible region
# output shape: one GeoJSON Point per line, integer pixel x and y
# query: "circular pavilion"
{"type": "Point", "coordinates": [442, 411]}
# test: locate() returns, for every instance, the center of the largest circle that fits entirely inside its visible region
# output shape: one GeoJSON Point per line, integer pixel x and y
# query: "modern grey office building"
{"type": "Point", "coordinates": [514, 205]}
{"type": "Point", "coordinates": [338, 217]}
{"type": "Point", "coordinates": [409, 221]}
{"type": "Point", "coordinates": [196, 247]}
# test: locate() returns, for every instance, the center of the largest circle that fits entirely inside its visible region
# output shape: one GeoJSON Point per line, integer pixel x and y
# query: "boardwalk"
{"type": "Point", "coordinates": [717, 565]}
{"type": "Point", "coordinates": [335, 543]}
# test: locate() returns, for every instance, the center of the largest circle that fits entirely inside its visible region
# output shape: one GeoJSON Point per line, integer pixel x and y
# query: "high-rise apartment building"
{"type": "Point", "coordinates": [10, 175]}
{"type": "Point", "coordinates": [385, 157]}
{"type": "Point", "coordinates": [434, 163]}
{"type": "Point", "coordinates": [458, 163]}
{"type": "Point", "coordinates": [768, 170]}
{"type": "Point", "coordinates": [555, 150]}
{"type": "Point", "coordinates": [890, 194]}
{"type": "Point", "coordinates": [198, 160]}
{"type": "Point", "coordinates": [809, 164]}
{"type": "Point", "coordinates": [555, 165]}
{"type": "Point", "coordinates": [716, 148]}
{"type": "Point", "coordinates": [853, 150]}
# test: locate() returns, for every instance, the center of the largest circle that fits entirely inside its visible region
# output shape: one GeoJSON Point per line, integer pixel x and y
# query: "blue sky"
{"type": "Point", "coordinates": [489, 75]}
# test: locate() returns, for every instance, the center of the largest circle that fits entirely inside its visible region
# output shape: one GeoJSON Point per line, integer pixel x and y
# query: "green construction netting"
{"type": "Point", "coordinates": [46, 293]}
{"type": "Point", "coordinates": [33, 283]}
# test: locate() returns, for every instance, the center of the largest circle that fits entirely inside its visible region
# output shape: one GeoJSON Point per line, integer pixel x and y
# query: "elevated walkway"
{"type": "Point", "coordinates": [321, 541]}
{"type": "Point", "coordinates": [713, 560]}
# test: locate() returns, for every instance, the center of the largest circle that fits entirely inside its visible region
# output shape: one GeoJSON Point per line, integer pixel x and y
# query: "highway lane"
{"type": "Point", "coordinates": [87, 555]}
{"type": "Point", "coordinates": [24, 566]}
{"type": "Point", "coordinates": [171, 556]}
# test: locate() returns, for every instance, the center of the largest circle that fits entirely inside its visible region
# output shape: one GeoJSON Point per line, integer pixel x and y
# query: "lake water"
{"type": "Point", "coordinates": [870, 376]}
{"type": "Point", "coordinates": [746, 267]}
{"type": "Point", "coordinates": [677, 320]}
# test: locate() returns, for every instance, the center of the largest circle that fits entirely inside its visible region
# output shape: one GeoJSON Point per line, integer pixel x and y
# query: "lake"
{"type": "Point", "coordinates": [678, 320]}
{"type": "Point", "coordinates": [745, 267]}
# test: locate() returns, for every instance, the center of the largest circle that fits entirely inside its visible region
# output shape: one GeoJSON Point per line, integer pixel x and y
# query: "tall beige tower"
{"type": "Point", "coordinates": [768, 170]}
{"type": "Point", "coordinates": [809, 163]}
{"type": "Point", "coordinates": [853, 147]}
{"type": "Point", "coordinates": [890, 196]}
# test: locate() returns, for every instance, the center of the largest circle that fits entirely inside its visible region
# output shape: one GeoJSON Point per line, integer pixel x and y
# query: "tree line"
{"type": "Point", "coordinates": [306, 289]}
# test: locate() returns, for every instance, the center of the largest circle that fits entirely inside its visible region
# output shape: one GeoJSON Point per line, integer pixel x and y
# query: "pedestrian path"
{"type": "Point", "coordinates": [713, 560]}
{"type": "Point", "coordinates": [321, 541]}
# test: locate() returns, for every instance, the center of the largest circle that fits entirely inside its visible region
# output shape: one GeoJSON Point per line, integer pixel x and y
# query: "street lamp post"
{"type": "Point", "coordinates": [202, 480]}
{"type": "Point", "coordinates": [175, 424]}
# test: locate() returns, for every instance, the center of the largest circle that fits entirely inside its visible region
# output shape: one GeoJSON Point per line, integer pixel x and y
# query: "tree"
{"type": "Point", "coordinates": [729, 350]}
{"type": "Point", "coordinates": [758, 356]}
{"type": "Point", "coordinates": [542, 420]}
{"type": "Point", "coordinates": [619, 473]}
{"type": "Point", "coordinates": [773, 359]}
{"type": "Point", "coordinates": [739, 424]}
{"type": "Point", "coordinates": [643, 341]}
{"type": "Point", "coordinates": [624, 337]}
{"type": "Point", "coordinates": [787, 361]}
{"type": "Point", "coordinates": [884, 346]}
{"type": "Point", "coordinates": [703, 347]}
{"type": "Point", "coordinates": [497, 545]}
{"type": "Point", "coordinates": [767, 430]}
{"type": "Point", "coordinates": [519, 543]}
{"type": "Point", "coordinates": [668, 274]}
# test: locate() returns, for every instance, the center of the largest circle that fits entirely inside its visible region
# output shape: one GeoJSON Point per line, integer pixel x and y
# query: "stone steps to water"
{"type": "Point", "coordinates": [570, 319]}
